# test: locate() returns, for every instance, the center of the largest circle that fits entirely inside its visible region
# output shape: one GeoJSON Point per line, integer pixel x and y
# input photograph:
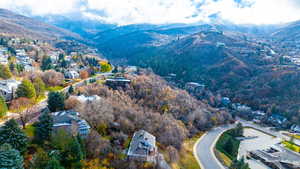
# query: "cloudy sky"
{"type": "Point", "coordinates": [164, 11]}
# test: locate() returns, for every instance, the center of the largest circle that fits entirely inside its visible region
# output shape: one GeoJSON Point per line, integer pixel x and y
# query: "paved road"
{"type": "Point", "coordinates": [205, 145]}
{"type": "Point", "coordinates": [204, 148]}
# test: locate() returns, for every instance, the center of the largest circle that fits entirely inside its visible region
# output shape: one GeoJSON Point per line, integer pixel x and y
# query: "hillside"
{"type": "Point", "coordinates": [11, 23]}
{"type": "Point", "coordinates": [231, 63]}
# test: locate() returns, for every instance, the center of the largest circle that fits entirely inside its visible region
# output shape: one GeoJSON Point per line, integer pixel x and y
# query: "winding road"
{"type": "Point", "coordinates": [204, 148]}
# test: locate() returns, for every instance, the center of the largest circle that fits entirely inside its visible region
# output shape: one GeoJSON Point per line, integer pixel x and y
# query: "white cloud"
{"type": "Point", "coordinates": [164, 11]}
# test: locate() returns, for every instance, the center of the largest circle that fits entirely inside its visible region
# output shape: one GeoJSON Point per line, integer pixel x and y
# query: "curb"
{"type": "Point", "coordinates": [195, 152]}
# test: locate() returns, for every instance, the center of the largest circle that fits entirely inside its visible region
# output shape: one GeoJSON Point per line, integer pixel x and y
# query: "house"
{"type": "Point", "coordinates": [3, 60]}
{"type": "Point", "coordinates": [225, 101]}
{"type": "Point", "coordinates": [131, 69]}
{"type": "Point", "coordinates": [21, 53]}
{"type": "Point", "coordinates": [8, 88]}
{"type": "Point", "coordinates": [87, 99]}
{"type": "Point", "coordinates": [194, 87]}
{"type": "Point", "coordinates": [143, 147]}
{"type": "Point", "coordinates": [277, 120]}
{"type": "Point", "coordinates": [117, 82]}
{"type": "Point", "coordinates": [70, 122]}
{"type": "Point", "coordinates": [295, 128]}
{"type": "Point", "coordinates": [72, 74]}
{"type": "Point", "coordinates": [241, 108]}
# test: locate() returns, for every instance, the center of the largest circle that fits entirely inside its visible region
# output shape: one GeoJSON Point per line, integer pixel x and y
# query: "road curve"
{"type": "Point", "coordinates": [203, 149]}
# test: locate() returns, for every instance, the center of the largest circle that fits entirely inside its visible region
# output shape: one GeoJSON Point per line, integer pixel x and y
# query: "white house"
{"type": "Point", "coordinates": [143, 147]}
{"type": "Point", "coordinates": [295, 128]}
{"type": "Point", "coordinates": [72, 74]}
{"type": "Point", "coordinates": [87, 99]}
{"type": "Point", "coordinates": [8, 88]}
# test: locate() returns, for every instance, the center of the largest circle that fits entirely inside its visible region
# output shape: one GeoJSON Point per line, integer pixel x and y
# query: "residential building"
{"type": "Point", "coordinates": [194, 87]}
{"type": "Point", "coordinates": [143, 147]}
{"type": "Point", "coordinates": [295, 128]}
{"type": "Point", "coordinates": [278, 120]}
{"type": "Point", "coordinates": [87, 99]}
{"type": "Point", "coordinates": [117, 82]}
{"type": "Point", "coordinates": [225, 101]}
{"type": "Point", "coordinates": [131, 69]}
{"type": "Point", "coordinates": [8, 89]}
{"type": "Point", "coordinates": [70, 122]}
{"type": "Point", "coordinates": [72, 74]}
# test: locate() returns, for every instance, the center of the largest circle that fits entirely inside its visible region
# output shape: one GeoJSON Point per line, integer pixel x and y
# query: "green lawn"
{"type": "Point", "coordinates": [54, 88]}
{"type": "Point", "coordinates": [222, 145]}
{"type": "Point", "coordinates": [291, 146]}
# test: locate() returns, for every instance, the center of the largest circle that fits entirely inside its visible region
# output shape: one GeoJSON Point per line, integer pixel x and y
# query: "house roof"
{"type": "Point", "coordinates": [142, 144]}
{"type": "Point", "coordinates": [65, 118]}
{"type": "Point", "coordinates": [9, 85]}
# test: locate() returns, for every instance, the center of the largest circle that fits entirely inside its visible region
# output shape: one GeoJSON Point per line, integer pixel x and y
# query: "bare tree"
{"type": "Point", "coordinates": [53, 78]}
{"type": "Point", "coordinates": [25, 108]}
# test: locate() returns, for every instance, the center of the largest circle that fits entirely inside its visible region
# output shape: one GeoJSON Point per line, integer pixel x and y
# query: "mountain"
{"type": "Point", "coordinates": [289, 31]}
{"type": "Point", "coordinates": [244, 66]}
{"type": "Point", "coordinates": [85, 27]}
{"type": "Point", "coordinates": [12, 23]}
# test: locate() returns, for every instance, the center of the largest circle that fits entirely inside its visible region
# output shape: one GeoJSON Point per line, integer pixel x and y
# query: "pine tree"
{"type": "Point", "coordinates": [56, 101]}
{"type": "Point", "coordinates": [71, 90]}
{"type": "Point", "coordinates": [26, 89]}
{"type": "Point", "coordinates": [11, 133]}
{"type": "Point", "coordinates": [46, 63]}
{"type": "Point", "coordinates": [3, 107]}
{"type": "Point", "coordinates": [73, 154]}
{"type": "Point", "coordinates": [229, 146]}
{"type": "Point", "coordinates": [10, 158]}
{"type": "Point", "coordinates": [5, 73]}
{"type": "Point", "coordinates": [39, 86]}
{"type": "Point", "coordinates": [43, 129]}
{"type": "Point", "coordinates": [54, 164]}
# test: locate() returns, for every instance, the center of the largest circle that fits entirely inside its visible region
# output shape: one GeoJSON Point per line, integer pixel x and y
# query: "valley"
{"type": "Point", "coordinates": [78, 93]}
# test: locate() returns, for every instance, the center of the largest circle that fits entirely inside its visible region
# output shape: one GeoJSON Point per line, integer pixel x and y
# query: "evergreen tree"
{"type": "Point", "coordinates": [72, 155]}
{"type": "Point", "coordinates": [3, 107]}
{"type": "Point", "coordinates": [43, 129]}
{"type": "Point", "coordinates": [229, 146]}
{"type": "Point", "coordinates": [54, 164]}
{"type": "Point", "coordinates": [61, 56]}
{"type": "Point", "coordinates": [10, 158]}
{"type": "Point", "coordinates": [5, 73]}
{"type": "Point", "coordinates": [26, 89]}
{"type": "Point", "coordinates": [11, 133]}
{"type": "Point", "coordinates": [239, 164]}
{"type": "Point", "coordinates": [42, 160]}
{"type": "Point", "coordinates": [56, 101]}
{"type": "Point", "coordinates": [20, 68]}
{"type": "Point", "coordinates": [71, 90]}
{"type": "Point", "coordinates": [39, 86]}
{"type": "Point", "coordinates": [46, 63]}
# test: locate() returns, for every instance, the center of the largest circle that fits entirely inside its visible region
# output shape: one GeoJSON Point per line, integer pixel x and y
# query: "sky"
{"type": "Point", "coordinates": [125, 12]}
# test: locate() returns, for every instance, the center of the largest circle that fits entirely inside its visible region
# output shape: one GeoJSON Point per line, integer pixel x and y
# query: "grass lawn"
{"type": "Point", "coordinates": [222, 145]}
{"type": "Point", "coordinates": [291, 146]}
{"type": "Point", "coordinates": [187, 159]}
{"type": "Point", "coordinates": [54, 88]}
{"type": "Point", "coordinates": [223, 158]}
{"type": "Point", "coordinates": [40, 98]}
{"type": "Point", "coordinates": [296, 136]}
